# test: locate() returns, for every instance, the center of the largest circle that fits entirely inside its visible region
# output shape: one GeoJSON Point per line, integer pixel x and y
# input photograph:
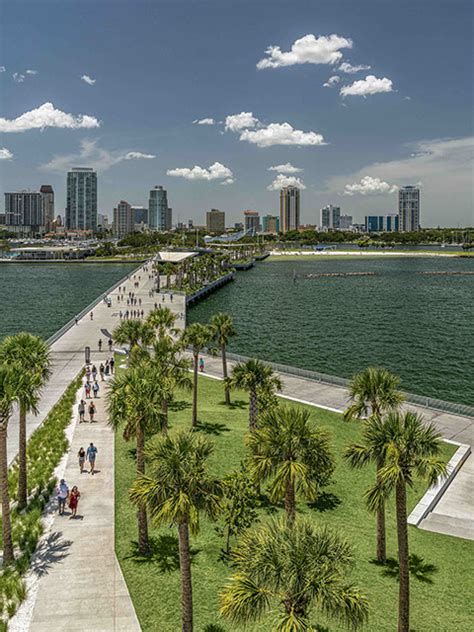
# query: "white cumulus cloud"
{"type": "Point", "coordinates": [47, 116]}
{"type": "Point", "coordinates": [88, 80]}
{"type": "Point", "coordinates": [216, 171]}
{"type": "Point", "coordinates": [332, 81]}
{"type": "Point", "coordinates": [307, 50]}
{"type": "Point", "coordinates": [204, 121]}
{"type": "Point", "coordinates": [286, 168]}
{"type": "Point", "coordinates": [95, 156]}
{"type": "Point", "coordinates": [18, 77]}
{"type": "Point", "coordinates": [31, 72]}
{"type": "Point", "coordinates": [3, 69]}
{"type": "Point", "coordinates": [5, 154]}
{"type": "Point", "coordinates": [281, 134]}
{"type": "Point", "coordinates": [370, 85]}
{"type": "Point", "coordinates": [285, 181]}
{"type": "Point", "coordinates": [369, 186]}
{"type": "Point", "coordinates": [238, 122]}
{"type": "Point", "coordinates": [350, 69]}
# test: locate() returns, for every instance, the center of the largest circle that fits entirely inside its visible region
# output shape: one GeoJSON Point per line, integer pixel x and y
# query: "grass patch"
{"type": "Point", "coordinates": [442, 603]}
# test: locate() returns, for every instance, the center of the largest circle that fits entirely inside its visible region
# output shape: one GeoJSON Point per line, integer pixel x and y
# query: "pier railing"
{"type": "Point", "coordinates": [411, 398]}
{"type": "Point", "coordinates": [89, 307]}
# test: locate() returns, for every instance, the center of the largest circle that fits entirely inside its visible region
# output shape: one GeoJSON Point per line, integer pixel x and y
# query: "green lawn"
{"type": "Point", "coordinates": [445, 604]}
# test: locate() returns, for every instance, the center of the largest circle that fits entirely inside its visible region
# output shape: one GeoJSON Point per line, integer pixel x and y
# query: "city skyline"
{"type": "Point", "coordinates": [227, 136]}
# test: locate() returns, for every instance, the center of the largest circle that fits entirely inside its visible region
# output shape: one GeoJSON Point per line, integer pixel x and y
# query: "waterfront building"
{"type": "Point", "coordinates": [190, 224]}
{"type": "Point", "coordinates": [409, 208]}
{"type": "Point", "coordinates": [140, 214]}
{"type": "Point", "coordinates": [47, 194]}
{"type": "Point", "coordinates": [289, 209]}
{"type": "Point", "coordinates": [252, 221]}
{"type": "Point", "coordinates": [24, 212]}
{"type": "Point", "coordinates": [81, 201]}
{"type": "Point", "coordinates": [159, 213]}
{"type": "Point", "coordinates": [271, 224]}
{"type": "Point", "coordinates": [330, 217]}
{"type": "Point", "coordinates": [124, 219]}
{"type": "Point", "coordinates": [215, 221]}
{"type": "Point", "coordinates": [345, 222]}
{"type": "Point", "coordinates": [381, 223]}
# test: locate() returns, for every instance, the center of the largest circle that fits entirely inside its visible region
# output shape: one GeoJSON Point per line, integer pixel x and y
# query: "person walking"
{"type": "Point", "coordinates": [112, 364]}
{"type": "Point", "coordinates": [100, 344]}
{"type": "Point", "coordinates": [107, 368]}
{"type": "Point", "coordinates": [92, 315]}
{"type": "Point", "coordinates": [75, 320]}
{"type": "Point", "coordinates": [95, 389]}
{"type": "Point", "coordinates": [94, 373]}
{"type": "Point", "coordinates": [81, 409]}
{"type": "Point", "coordinates": [62, 493]}
{"type": "Point", "coordinates": [101, 371]}
{"type": "Point", "coordinates": [91, 456]}
{"type": "Point", "coordinates": [74, 501]}
{"type": "Point", "coordinates": [87, 389]}
{"type": "Point", "coordinates": [88, 373]}
{"type": "Point", "coordinates": [201, 365]}
{"type": "Point", "coordinates": [81, 455]}
{"type": "Point", "coordinates": [110, 344]}
{"type": "Point", "coordinates": [92, 411]}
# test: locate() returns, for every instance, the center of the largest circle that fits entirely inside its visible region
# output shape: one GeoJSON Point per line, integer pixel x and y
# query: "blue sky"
{"type": "Point", "coordinates": [158, 66]}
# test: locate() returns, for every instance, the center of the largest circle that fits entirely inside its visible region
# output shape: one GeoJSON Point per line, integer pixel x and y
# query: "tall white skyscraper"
{"type": "Point", "coordinates": [409, 208]}
{"type": "Point", "coordinates": [81, 204]}
{"type": "Point", "coordinates": [159, 213]}
{"type": "Point", "coordinates": [289, 209]}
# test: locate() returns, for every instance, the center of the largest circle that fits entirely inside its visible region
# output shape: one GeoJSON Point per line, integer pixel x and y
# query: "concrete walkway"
{"type": "Point", "coordinates": [454, 513]}
{"type": "Point", "coordinates": [81, 585]}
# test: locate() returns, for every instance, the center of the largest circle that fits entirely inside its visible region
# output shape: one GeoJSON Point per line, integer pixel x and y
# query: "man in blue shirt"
{"type": "Point", "coordinates": [91, 454]}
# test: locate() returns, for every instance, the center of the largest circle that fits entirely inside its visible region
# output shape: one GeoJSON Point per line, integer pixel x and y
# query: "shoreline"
{"type": "Point", "coordinates": [296, 254]}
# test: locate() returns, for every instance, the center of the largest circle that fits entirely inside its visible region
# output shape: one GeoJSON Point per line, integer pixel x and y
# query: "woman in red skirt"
{"type": "Point", "coordinates": [74, 500]}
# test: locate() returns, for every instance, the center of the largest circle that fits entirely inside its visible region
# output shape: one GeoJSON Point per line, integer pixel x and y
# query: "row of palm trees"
{"type": "Point", "coordinates": [402, 448]}
{"type": "Point", "coordinates": [193, 272]}
{"type": "Point", "coordinates": [25, 367]}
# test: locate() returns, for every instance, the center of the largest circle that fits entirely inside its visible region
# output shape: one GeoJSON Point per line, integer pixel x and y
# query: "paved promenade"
{"type": "Point", "coordinates": [454, 514]}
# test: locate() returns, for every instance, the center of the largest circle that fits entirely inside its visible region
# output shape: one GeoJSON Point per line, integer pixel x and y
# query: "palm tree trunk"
{"type": "Point", "coordinates": [380, 518]}
{"type": "Point", "coordinates": [143, 542]}
{"type": "Point", "coordinates": [404, 578]}
{"type": "Point", "coordinates": [290, 503]}
{"type": "Point", "coordinates": [224, 373]}
{"type": "Point", "coordinates": [195, 390]}
{"type": "Point", "coordinates": [253, 410]}
{"type": "Point", "coordinates": [164, 410]}
{"type": "Point", "coordinates": [22, 471]}
{"type": "Point", "coordinates": [8, 556]}
{"type": "Point", "coordinates": [186, 584]}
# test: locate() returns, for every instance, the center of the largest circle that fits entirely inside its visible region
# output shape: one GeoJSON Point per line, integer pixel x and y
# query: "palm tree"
{"type": "Point", "coordinates": [223, 329]}
{"type": "Point", "coordinates": [135, 333]}
{"type": "Point", "coordinates": [256, 378]}
{"type": "Point", "coordinates": [410, 449]}
{"type": "Point", "coordinates": [196, 336]}
{"type": "Point", "coordinates": [32, 356]}
{"type": "Point", "coordinates": [293, 453]}
{"type": "Point", "coordinates": [8, 373]}
{"type": "Point", "coordinates": [163, 321]}
{"type": "Point", "coordinates": [375, 392]}
{"type": "Point", "coordinates": [175, 492]}
{"type": "Point", "coordinates": [134, 401]}
{"type": "Point", "coordinates": [290, 572]}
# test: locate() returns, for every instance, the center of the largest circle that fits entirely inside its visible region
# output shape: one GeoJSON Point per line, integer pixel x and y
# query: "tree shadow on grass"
{"type": "Point", "coordinates": [164, 553]}
{"type": "Point", "coordinates": [326, 501]}
{"type": "Point", "coordinates": [214, 627]}
{"type": "Point", "coordinates": [239, 404]}
{"type": "Point", "coordinates": [419, 569]}
{"type": "Point", "coordinates": [211, 428]}
{"type": "Point", "coordinates": [179, 405]}
{"type": "Point", "coordinates": [267, 505]}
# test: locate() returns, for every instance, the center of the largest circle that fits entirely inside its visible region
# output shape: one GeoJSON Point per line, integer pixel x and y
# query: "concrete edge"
{"type": "Point", "coordinates": [434, 494]}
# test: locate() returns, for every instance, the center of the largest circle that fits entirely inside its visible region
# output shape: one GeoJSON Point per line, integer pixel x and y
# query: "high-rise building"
{"type": "Point", "coordinates": [24, 212]}
{"type": "Point", "coordinates": [159, 213]}
{"type": "Point", "coordinates": [271, 224]}
{"type": "Point", "coordinates": [345, 222]}
{"type": "Point", "coordinates": [381, 223]}
{"type": "Point", "coordinates": [140, 214]}
{"type": "Point", "coordinates": [215, 221]}
{"type": "Point", "coordinates": [190, 224]}
{"type": "Point", "coordinates": [124, 219]}
{"type": "Point", "coordinates": [47, 193]}
{"type": "Point", "coordinates": [81, 203]}
{"type": "Point", "coordinates": [330, 217]}
{"type": "Point", "coordinates": [289, 209]}
{"type": "Point", "coordinates": [252, 221]}
{"type": "Point", "coordinates": [409, 208]}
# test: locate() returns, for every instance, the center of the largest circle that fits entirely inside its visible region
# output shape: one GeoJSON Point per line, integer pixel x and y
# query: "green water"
{"type": "Point", "coordinates": [42, 297]}
{"type": "Point", "coordinates": [421, 327]}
